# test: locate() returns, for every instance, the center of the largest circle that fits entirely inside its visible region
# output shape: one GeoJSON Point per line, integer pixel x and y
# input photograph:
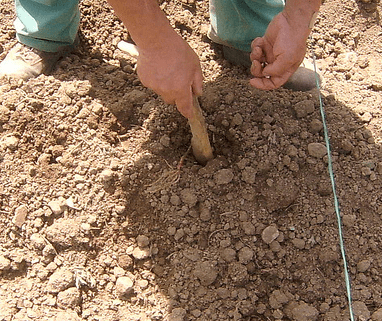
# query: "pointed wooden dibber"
{"type": "Point", "coordinates": [201, 147]}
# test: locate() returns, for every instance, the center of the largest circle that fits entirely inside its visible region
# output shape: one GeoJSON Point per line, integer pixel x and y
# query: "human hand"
{"type": "Point", "coordinates": [277, 55]}
{"type": "Point", "coordinates": [172, 69]}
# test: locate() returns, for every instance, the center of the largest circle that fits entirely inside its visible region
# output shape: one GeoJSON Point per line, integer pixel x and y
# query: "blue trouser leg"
{"type": "Point", "coordinates": [47, 25]}
{"type": "Point", "coordinates": [237, 22]}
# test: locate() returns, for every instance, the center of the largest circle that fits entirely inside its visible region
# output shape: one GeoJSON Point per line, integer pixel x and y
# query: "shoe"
{"type": "Point", "coordinates": [304, 79]}
{"type": "Point", "coordinates": [23, 62]}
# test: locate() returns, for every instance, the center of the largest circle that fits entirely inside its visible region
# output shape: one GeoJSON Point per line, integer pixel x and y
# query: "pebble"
{"type": "Point", "coordinates": [57, 206]}
{"type": "Point", "coordinates": [299, 243]}
{"type": "Point", "coordinates": [304, 312]}
{"type": "Point", "coordinates": [60, 280]}
{"type": "Point", "coordinates": [69, 298]}
{"type": "Point", "coordinates": [248, 228]}
{"type": "Point", "coordinates": [245, 255]}
{"type": "Point", "coordinates": [38, 241]}
{"type": "Point", "coordinates": [205, 214]}
{"type": "Point", "coordinates": [249, 175]}
{"type": "Point", "coordinates": [360, 310]}
{"type": "Point", "coordinates": [64, 232]}
{"type": "Point", "coordinates": [5, 264]}
{"type": "Point", "coordinates": [141, 254]}
{"type": "Point", "coordinates": [363, 266]}
{"type": "Point", "coordinates": [238, 273]}
{"type": "Point", "coordinates": [277, 299]}
{"type": "Point", "coordinates": [317, 150]}
{"type": "Point", "coordinates": [228, 255]}
{"type": "Point", "coordinates": [124, 286]}
{"type": "Point", "coordinates": [206, 272]}
{"type": "Point", "coordinates": [136, 96]}
{"type": "Point", "coordinates": [188, 196]}
{"type": "Point", "coordinates": [125, 261]}
{"type": "Point", "coordinates": [177, 314]}
{"type": "Point", "coordinates": [316, 126]}
{"type": "Point", "coordinates": [107, 176]}
{"type": "Point", "coordinates": [20, 216]}
{"type": "Point", "coordinates": [377, 315]}
{"type": "Point", "coordinates": [304, 108]}
{"type": "Point", "coordinates": [11, 142]}
{"type": "Point", "coordinates": [269, 234]}
{"type": "Point", "coordinates": [223, 176]}
{"type": "Point", "coordinates": [143, 241]}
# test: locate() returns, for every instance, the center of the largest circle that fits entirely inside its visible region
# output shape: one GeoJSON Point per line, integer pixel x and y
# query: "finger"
{"type": "Point", "coordinates": [266, 83]}
{"type": "Point", "coordinates": [256, 68]}
{"type": "Point", "coordinates": [257, 54]}
{"type": "Point", "coordinates": [184, 104]}
{"type": "Point", "coordinates": [197, 85]}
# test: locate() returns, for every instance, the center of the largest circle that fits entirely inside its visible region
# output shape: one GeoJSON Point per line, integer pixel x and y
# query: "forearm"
{"type": "Point", "coordinates": [301, 13]}
{"type": "Point", "coordinates": [144, 20]}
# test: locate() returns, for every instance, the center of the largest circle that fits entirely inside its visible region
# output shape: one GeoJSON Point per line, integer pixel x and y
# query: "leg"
{"type": "Point", "coordinates": [46, 30]}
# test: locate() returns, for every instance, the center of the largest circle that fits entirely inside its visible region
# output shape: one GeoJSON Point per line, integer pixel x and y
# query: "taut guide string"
{"type": "Point", "coordinates": [333, 183]}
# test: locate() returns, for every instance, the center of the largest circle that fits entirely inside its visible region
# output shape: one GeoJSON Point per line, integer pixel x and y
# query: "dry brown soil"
{"type": "Point", "coordinates": [103, 215]}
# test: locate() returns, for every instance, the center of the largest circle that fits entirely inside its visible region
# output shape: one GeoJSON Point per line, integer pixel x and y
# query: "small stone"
{"type": "Point", "coordinates": [206, 272]}
{"type": "Point", "coordinates": [205, 214]}
{"type": "Point", "coordinates": [141, 254]}
{"type": "Point", "coordinates": [317, 150]}
{"type": "Point", "coordinates": [363, 266]}
{"type": "Point", "coordinates": [360, 310]}
{"type": "Point", "coordinates": [228, 254]}
{"type": "Point", "coordinates": [179, 234]}
{"type": "Point", "coordinates": [237, 120]}
{"type": "Point", "coordinates": [143, 241]}
{"type": "Point", "coordinates": [19, 218]}
{"type": "Point", "coordinates": [124, 286]}
{"type": "Point", "coordinates": [248, 228]}
{"type": "Point", "coordinates": [249, 175]}
{"type": "Point", "coordinates": [304, 108]}
{"type": "Point", "coordinates": [349, 220]}
{"type": "Point", "coordinates": [5, 264]}
{"type": "Point", "coordinates": [11, 142]}
{"type": "Point", "coordinates": [125, 261]}
{"type": "Point", "coordinates": [189, 197]}
{"type": "Point", "coordinates": [316, 126]}
{"type": "Point", "coordinates": [269, 234]}
{"type": "Point", "coordinates": [277, 299]}
{"type": "Point", "coordinates": [223, 176]}
{"type": "Point", "coordinates": [177, 314]}
{"type": "Point", "coordinates": [64, 232]}
{"type": "Point", "coordinates": [57, 206]}
{"type": "Point", "coordinates": [299, 243]}
{"type": "Point", "coordinates": [304, 312]}
{"type": "Point", "coordinates": [238, 273]}
{"type": "Point", "coordinates": [107, 175]}
{"type": "Point", "coordinates": [136, 96]}
{"type": "Point", "coordinates": [377, 315]}
{"type": "Point", "coordinates": [346, 61]}
{"type": "Point", "coordinates": [245, 255]}
{"type": "Point", "coordinates": [366, 117]}
{"type": "Point", "coordinates": [60, 280]}
{"type": "Point", "coordinates": [38, 241]}
{"type": "Point", "coordinates": [69, 298]}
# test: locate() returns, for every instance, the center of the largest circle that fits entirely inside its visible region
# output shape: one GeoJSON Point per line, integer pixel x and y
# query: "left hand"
{"type": "Point", "coordinates": [277, 55]}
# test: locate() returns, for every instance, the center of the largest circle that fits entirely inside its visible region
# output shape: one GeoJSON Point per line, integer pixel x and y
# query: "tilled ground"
{"type": "Point", "coordinates": [105, 215]}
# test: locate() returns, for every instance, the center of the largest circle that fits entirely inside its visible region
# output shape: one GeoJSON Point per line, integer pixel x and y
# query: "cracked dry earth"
{"type": "Point", "coordinates": [104, 215]}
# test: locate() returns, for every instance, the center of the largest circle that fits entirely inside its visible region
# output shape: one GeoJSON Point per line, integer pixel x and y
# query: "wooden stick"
{"type": "Point", "coordinates": [200, 143]}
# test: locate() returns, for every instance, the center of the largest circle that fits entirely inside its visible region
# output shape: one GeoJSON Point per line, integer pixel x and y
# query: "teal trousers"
{"type": "Point", "coordinates": [236, 23]}
{"type": "Point", "coordinates": [49, 25]}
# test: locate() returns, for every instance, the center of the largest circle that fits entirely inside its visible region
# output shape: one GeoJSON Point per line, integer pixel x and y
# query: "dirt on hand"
{"type": "Point", "coordinates": [104, 215]}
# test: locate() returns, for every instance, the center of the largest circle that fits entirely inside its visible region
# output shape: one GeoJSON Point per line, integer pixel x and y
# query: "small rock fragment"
{"type": "Point", "coordinates": [11, 142]}
{"type": "Point", "coordinates": [69, 298]}
{"type": "Point", "coordinates": [141, 254]}
{"type": "Point", "coordinates": [143, 241]}
{"type": "Point", "coordinates": [57, 206]}
{"type": "Point", "coordinates": [38, 241]}
{"type": "Point", "coordinates": [5, 264]}
{"type": "Point", "coordinates": [188, 196]}
{"type": "Point", "coordinates": [317, 150]}
{"type": "Point", "coordinates": [21, 213]}
{"type": "Point", "coordinates": [124, 286]}
{"type": "Point", "coordinates": [360, 310]}
{"type": "Point", "coordinates": [304, 108]}
{"type": "Point", "coordinates": [177, 314]}
{"type": "Point", "coordinates": [206, 273]}
{"type": "Point", "coordinates": [228, 254]}
{"type": "Point", "coordinates": [60, 281]}
{"type": "Point", "coordinates": [238, 273]}
{"type": "Point", "coordinates": [363, 266]}
{"type": "Point", "coordinates": [224, 176]}
{"type": "Point", "coordinates": [269, 234]}
{"type": "Point", "coordinates": [245, 255]}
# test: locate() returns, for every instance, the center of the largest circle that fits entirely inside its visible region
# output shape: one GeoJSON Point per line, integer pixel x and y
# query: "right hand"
{"type": "Point", "coordinates": [172, 69]}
